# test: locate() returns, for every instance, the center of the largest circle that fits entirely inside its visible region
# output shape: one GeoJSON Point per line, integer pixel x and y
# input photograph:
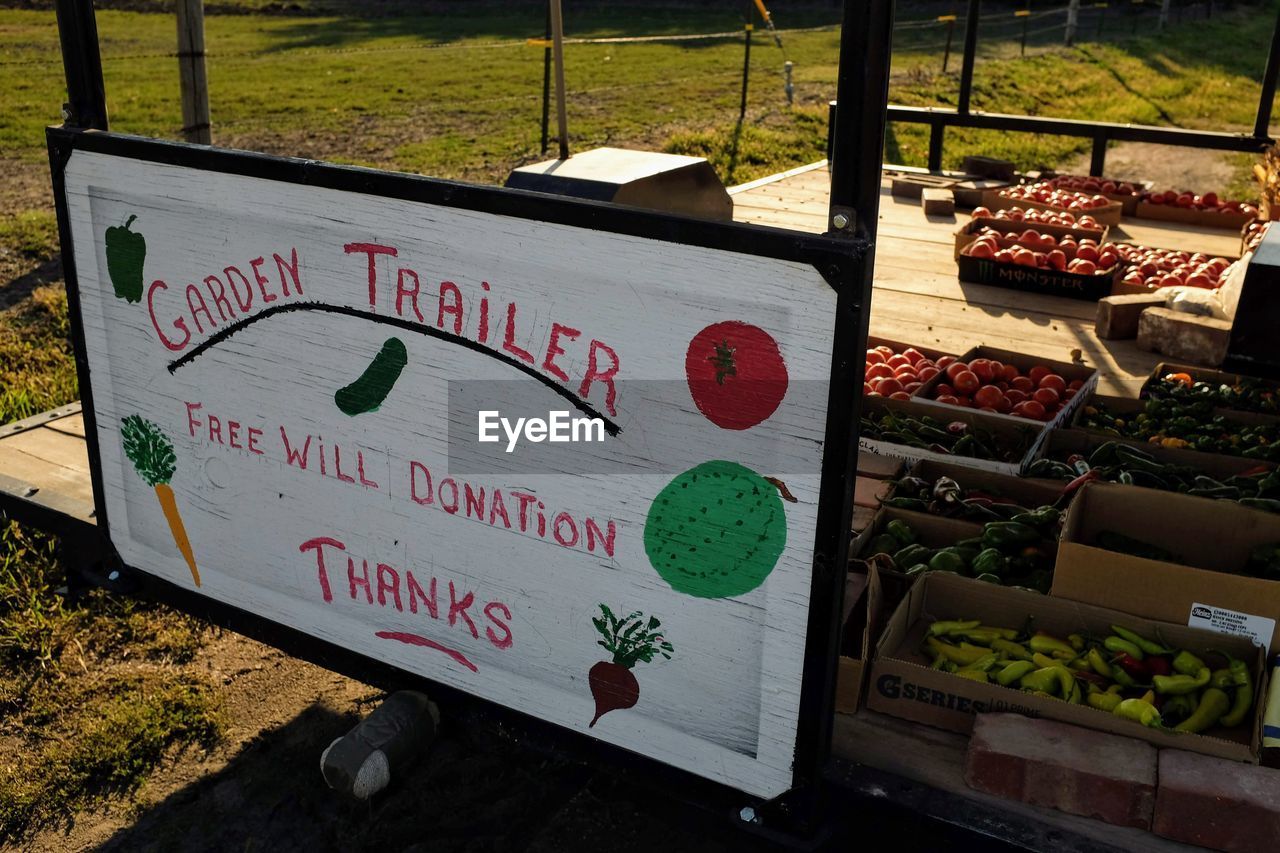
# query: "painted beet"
{"type": "Point", "coordinates": [631, 640]}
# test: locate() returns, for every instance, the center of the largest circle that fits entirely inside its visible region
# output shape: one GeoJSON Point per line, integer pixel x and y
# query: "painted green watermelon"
{"type": "Point", "coordinates": [716, 530]}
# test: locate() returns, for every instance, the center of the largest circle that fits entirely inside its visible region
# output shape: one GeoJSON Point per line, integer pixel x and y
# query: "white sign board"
{"type": "Point", "coordinates": [276, 372]}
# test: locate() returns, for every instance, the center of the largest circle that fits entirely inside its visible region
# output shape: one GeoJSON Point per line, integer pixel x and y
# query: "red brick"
{"type": "Point", "coordinates": [1072, 769]}
{"type": "Point", "coordinates": [1217, 803]}
{"type": "Point", "coordinates": [878, 467]}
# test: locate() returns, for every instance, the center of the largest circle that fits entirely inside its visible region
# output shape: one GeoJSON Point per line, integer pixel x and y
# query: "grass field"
{"type": "Point", "coordinates": [93, 691]}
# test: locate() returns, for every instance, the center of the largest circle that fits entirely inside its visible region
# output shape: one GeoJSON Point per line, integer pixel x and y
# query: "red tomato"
{"type": "Point", "coordinates": [912, 387]}
{"type": "Point", "coordinates": [874, 357]}
{"type": "Point", "coordinates": [990, 409]}
{"type": "Point", "coordinates": [879, 371]}
{"type": "Point", "coordinates": [1075, 384]}
{"type": "Point", "coordinates": [966, 382]}
{"type": "Point", "coordinates": [927, 373]}
{"type": "Point", "coordinates": [1069, 393]}
{"type": "Point", "coordinates": [1009, 372]}
{"type": "Point", "coordinates": [1087, 253]}
{"type": "Point", "coordinates": [945, 361]}
{"type": "Point", "coordinates": [1037, 373]}
{"type": "Point", "coordinates": [889, 386]}
{"type": "Point", "coordinates": [1054, 381]}
{"type": "Point", "coordinates": [1004, 405]}
{"type": "Point", "coordinates": [866, 388]}
{"type": "Point", "coordinates": [980, 249]}
{"type": "Point", "coordinates": [896, 361]}
{"type": "Point", "coordinates": [1057, 259]}
{"type": "Point", "coordinates": [899, 395]}
{"type": "Point", "coordinates": [886, 351]}
{"type": "Point", "coordinates": [943, 389]}
{"type": "Point", "coordinates": [1023, 384]}
{"type": "Point", "coordinates": [913, 355]}
{"type": "Point", "coordinates": [947, 398]}
{"type": "Point", "coordinates": [981, 213]}
{"type": "Point", "coordinates": [736, 374]}
{"type": "Point", "coordinates": [981, 368]}
{"type": "Point", "coordinates": [964, 400]}
{"type": "Point", "coordinates": [988, 395]}
{"type": "Point", "coordinates": [1046, 397]}
{"type": "Point", "coordinates": [1029, 409]}
{"type": "Point", "coordinates": [1014, 396]}
{"type": "Point", "coordinates": [953, 370]}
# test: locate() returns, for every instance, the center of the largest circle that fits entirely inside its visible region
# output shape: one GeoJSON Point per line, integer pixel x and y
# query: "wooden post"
{"type": "Point", "coordinates": [1073, 22]}
{"type": "Point", "coordinates": [1164, 14]}
{"type": "Point", "coordinates": [557, 49]}
{"type": "Point", "coordinates": [194, 82]}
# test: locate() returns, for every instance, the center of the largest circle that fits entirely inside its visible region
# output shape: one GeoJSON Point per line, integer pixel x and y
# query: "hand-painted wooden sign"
{"type": "Point", "coordinates": [272, 361]}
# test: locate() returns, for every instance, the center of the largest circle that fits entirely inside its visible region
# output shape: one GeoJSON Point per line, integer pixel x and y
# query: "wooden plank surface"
{"type": "Point", "coordinates": [918, 298]}
{"type": "Point", "coordinates": [44, 460]}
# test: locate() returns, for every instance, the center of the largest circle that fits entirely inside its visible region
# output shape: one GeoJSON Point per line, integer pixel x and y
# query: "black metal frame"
{"type": "Point", "coordinates": [842, 257]}
{"type": "Point", "coordinates": [1101, 133]}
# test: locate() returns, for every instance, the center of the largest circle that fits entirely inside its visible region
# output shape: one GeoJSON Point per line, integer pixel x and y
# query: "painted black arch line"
{"type": "Point", "coordinates": [227, 331]}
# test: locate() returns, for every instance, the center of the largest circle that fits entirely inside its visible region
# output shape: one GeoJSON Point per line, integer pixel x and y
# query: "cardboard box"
{"type": "Point", "coordinates": [903, 684]}
{"type": "Point", "coordinates": [931, 530]}
{"type": "Point", "coordinates": [1125, 407]}
{"type": "Point", "coordinates": [1191, 216]}
{"type": "Point", "coordinates": [1064, 442]}
{"type": "Point", "coordinates": [1017, 438]}
{"type": "Point", "coordinates": [1049, 282]}
{"type": "Point", "coordinates": [1067, 370]}
{"type": "Point", "coordinates": [969, 232]}
{"type": "Point", "coordinates": [898, 346]}
{"type": "Point", "coordinates": [1128, 201]}
{"type": "Point", "coordinates": [1108, 215]}
{"type": "Point", "coordinates": [1206, 374]}
{"type": "Point", "coordinates": [1028, 493]}
{"type": "Point", "coordinates": [863, 618]}
{"type": "Point", "coordinates": [1209, 538]}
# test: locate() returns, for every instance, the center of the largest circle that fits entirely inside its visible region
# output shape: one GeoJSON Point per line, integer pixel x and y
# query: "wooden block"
{"type": "Point", "coordinates": [912, 186]}
{"type": "Point", "coordinates": [1118, 315]}
{"type": "Point", "coordinates": [1184, 337]}
{"type": "Point", "coordinates": [989, 167]}
{"type": "Point", "coordinates": [938, 202]}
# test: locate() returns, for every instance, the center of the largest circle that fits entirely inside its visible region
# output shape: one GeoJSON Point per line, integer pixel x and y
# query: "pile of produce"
{"type": "Point", "coordinates": [947, 498]}
{"type": "Point", "coordinates": [1045, 193]}
{"type": "Point", "coordinates": [1115, 462]}
{"type": "Point", "coordinates": [1090, 185]}
{"type": "Point", "coordinates": [1208, 202]}
{"type": "Point", "coordinates": [1246, 394]}
{"type": "Point", "coordinates": [1044, 251]}
{"type": "Point", "coordinates": [993, 386]}
{"type": "Point", "coordinates": [1034, 216]}
{"type": "Point", "coordinates": [899, 375]}
{"type": "Point", "coordinates": [1018, 552]}
{"type": "Point", "coordinates": [1187, 425]}
{"type": "Point", "coordinates": [956, 438]}
{"type": "Point", "coordinates": [1155, 268]}
{"type": "Point", "coordinates": [1124, 673]}
{"type": "Point", "coordinates": [1263, 561]}
{"type": "Point", "coordinates": [1253, 234]}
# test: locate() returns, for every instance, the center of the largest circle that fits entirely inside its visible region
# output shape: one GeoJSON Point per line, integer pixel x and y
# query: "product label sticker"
{"type": "Point", "coordinates": [1257, 628]}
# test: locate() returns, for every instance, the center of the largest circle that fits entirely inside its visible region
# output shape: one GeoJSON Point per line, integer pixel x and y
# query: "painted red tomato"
{"type": "Point", "coordinates": [736, 375]}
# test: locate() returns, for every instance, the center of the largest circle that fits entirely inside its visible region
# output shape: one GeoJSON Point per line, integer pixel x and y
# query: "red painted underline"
{"type": "Point", "coordinates": [417, 640]}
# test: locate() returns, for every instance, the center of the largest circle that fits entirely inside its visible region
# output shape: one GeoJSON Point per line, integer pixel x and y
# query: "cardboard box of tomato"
{"type": "Point", "coordinates": [1013, 229]}
{"type": "Point", "coordinates": [904, 685]}
{"type": "Point", "coordinates": [903, 429]}
{"type": "Point", "coordinates": [1041, 196]}
{"type": "Point", "coordinates": [1127, 193]}
{"type": "Point", "coordinates": [1019, 387]}
{"type": "Point", "coordinates": [894, 369]}
{"type": "Point", "coordinates": [1204, 210]}
{"type": "Point", "coordinates": [1174, 557]}
{"type": "Point", "coordinates": [1052, 271]}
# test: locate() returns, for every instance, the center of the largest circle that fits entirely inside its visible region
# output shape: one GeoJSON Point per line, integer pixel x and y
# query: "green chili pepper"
{"type": "Point", "coordinates": [1104, 701]}
{"type": "Point", "coordinates": [1123, 678]}
{"type": "Point", "coordinates": [1047, 645]}
{"type": "Point", "coordinates": [984, 663]}
{"type": "Point", "coordinates": [991, 561]}
{"type": "Point", "coordinates": [1185, 663]}
{"type": "Point", "coordinates": [947, 560]}
{"type": "Point", "coordinates": [901, 531]}
{"type": "Point", "coordinates": [1014, 671]}
{"type": "Point", "coordinates": [943, 628]}
{"type": "Point", "coordinates": [1044, 517]}
{"type": "Point", "coordinates": [912, 554]}
{"type": "Point", "coordinates": [1044, 680]}
{"type": "Point", "coordinates": [1242, 700]}
{"type": "Point", "coordinates": [1119, 644]}
{"type": "Point", "coordinates": [1175, 685]}
{"type": "Point", "coordinates": [986, 636]}
{"type": "Point", "coordinates": [883, 544]}
{"type": "Point", "coordinates": [1221, 679]}
{"type": "Point", "coordinates": [1017, 651]}
{"type": "Point", "coordinates": [908, 503]}
{"type": "Point", "coordinates": [1142, 642]}
{"type": "Point", "coordinates": [1177, 708]}
{"type": "Point", "coordinates": [1098, 663]}
{"type": "Point", "coordinates": [974, 675]}
{"type": "Point", "coordinates": [1138, 711]}
{"type": "Point", "coordinates": [1214, 704]}
{"type": "Point", "coordinates": [1008, 534]}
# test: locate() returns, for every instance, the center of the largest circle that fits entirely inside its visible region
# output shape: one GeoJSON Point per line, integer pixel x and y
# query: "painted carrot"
{"type": "Point", "coordinates": [153, 458]}
{"type": "Point", "coordinates": [630, 640]}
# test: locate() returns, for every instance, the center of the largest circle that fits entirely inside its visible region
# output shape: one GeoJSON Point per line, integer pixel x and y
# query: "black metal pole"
{"type": "Point", "coordinates": [862, 93]}
{"type": "Point", "coordinates": [970, 48]}
{"type": "Point", "coordinates": [746, 63]}
{"type": "Point", "coordinates": [546, 85]}
{"type": "Point", "coordinates": [82, 63]}
{"type": "Point", "coordinates": [1027, 17]}
{"type": "Point", "coordinates": [1263, 124]}
{"type": "Point", "coordinates": [946, 51]}
{"type": "Point", "coordinates": [1102, 18]}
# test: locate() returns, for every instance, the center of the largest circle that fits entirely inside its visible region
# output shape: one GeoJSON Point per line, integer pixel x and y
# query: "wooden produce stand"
{"type": "Point", "coordinates": [151, 496]}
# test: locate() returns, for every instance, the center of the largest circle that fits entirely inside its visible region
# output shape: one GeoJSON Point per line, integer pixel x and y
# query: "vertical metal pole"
{"type": "Point", "coordinates": [1098, 161]}
{"type": "Point", "coordinates": [1164, 15]}
{"type": "Point", "coordinates": [970, 49]}
{"type": "Point", "coordinates": [1102, 18]}
{"type": "Point", "coordinates": [946, 51]}
{"type": "Point", "coordinates": [1025, 18]}
{"type": "Point", "coordinates": [546, 83]}
{"type": "Point", "coordinates": [557, 46]}
{"type": "Point", "coordinates": [1263, 124]}
{"type": "Point", "coordinates": [81, 61]}
{"type": "Point", "coordinates": [1073, 22]}
{"type": "Point", "coordinates": [192, 79]}
{"type": "Point", "coordinates": [936, 132]}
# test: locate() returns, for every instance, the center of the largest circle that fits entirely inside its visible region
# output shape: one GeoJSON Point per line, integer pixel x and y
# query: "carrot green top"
{"type": "Point", "coordinates": [148, 449]}
{"type": "Point", "coordinates": [631, 639]}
